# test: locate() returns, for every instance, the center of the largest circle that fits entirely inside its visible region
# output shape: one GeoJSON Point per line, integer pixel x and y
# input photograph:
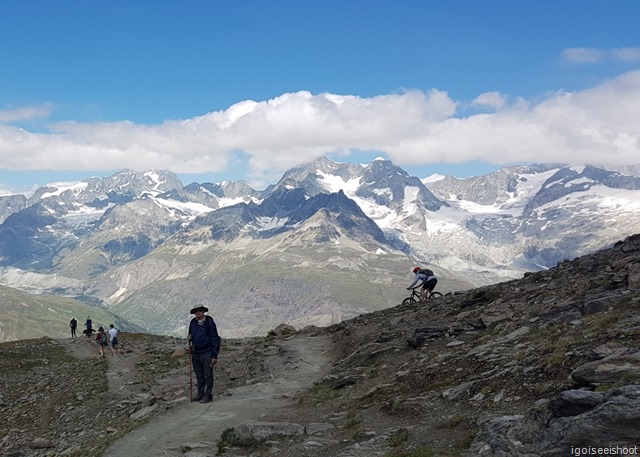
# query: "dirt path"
{"type": "Point", "coordinates": [81, 347]}
{"type": "Point", "coordinates": [120, 366]}
{"type": "Point", "coordinates": [198, 426]}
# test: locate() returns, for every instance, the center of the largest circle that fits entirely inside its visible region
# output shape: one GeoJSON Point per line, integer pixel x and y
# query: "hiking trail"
{"type": "Point", "coordinates": [198, 426]}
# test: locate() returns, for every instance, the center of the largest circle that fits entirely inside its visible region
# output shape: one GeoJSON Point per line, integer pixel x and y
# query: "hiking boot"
{"type": "Point", "coordinates": [205, 400]}
{"type": "Point", "coordinates": [198, 397]}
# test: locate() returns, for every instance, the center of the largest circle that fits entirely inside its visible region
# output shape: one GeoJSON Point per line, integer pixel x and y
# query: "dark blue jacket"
{"type": "Point", "coordinates": [204, 337]}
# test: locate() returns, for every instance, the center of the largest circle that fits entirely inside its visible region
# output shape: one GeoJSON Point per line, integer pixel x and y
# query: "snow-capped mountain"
{"type": "Point", "coordinates": [328, 241]}
{"type": "Point", "coordinates": [543, 214]}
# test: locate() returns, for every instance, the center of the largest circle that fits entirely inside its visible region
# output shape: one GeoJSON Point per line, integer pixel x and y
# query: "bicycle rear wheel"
{"type": "Point", "coordinates": [435, 295]}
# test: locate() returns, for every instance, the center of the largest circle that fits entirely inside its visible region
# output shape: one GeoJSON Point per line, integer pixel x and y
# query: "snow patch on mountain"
{"type": "Point", "coordinates": [432, 178]}
{"type": "Point", "coordinates": [528, 186]}
{"type": "Point", "coordinates": [60, 187]}
{"type": "Point", "coordinates": [409, 203]}
{"type": "Point", "coordinates": [385, 217]}
{"type": "Point", "coordinates": [625, 201]}
{"type": "Point", "coordinates": [191, 208]}
{"type": "Point", "coordinates": [156, 180]}
{"type": "Point", "coordinates": [334, 183]}
{"type": "Point", "coordinates": [225, 201]}
{"type": "Point", "coordinates": [81, 215]}
{"type": "Point", "coordinates": [270, 223]}
{"type": "Point", "coordinates": [599, 199]}
{"type": "Point", "coordinates": [446, 220]}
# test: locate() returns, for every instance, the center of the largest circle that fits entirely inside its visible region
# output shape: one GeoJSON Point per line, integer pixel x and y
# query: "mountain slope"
{"type": "Point", "coordinates": [27, 316]}
{"type": "Point", "coordinates": [543, 365]}
{"type": "Point", "coordinates": [141, 239]}
{"type": "Point", "coordinates": [325, 270]}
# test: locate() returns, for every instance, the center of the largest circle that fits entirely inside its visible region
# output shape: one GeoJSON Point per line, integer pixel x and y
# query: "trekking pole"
{"type": "Point", "coordinates": [190, 378]}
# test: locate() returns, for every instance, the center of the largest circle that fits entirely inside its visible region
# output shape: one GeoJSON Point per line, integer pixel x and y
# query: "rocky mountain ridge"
{"type": "Point", "coordinates": [541, 365]}
{"type": "Point", "coordinates": [142, 244]}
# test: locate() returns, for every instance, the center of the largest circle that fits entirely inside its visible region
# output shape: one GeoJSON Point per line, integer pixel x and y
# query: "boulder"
{"type": "Point", "coordinates": [611, 419]}
{"type": "Point", "coordinates": [609, 370]}
{"type": "Point", "coordinates": [633, 278]}
{"type": "Point", "coordinates": [574, 402]}
{"type": "Point", "coordinates": [282, 330]}
{"type": "Point", "coordinates": [260, 431]}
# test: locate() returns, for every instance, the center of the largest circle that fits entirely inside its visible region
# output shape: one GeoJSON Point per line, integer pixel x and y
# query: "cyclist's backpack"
{"type": "Point", "coordinates": [426, 271]}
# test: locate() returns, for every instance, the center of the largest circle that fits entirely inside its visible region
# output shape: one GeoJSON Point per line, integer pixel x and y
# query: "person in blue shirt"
{"type": "Point", "coordinates": [205, 345]}
{"type": "Point", "coordinates": [425, 278]}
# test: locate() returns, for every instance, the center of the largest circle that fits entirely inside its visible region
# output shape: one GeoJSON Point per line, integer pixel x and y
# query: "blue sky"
{"type": "Point", "coordinates": [219, 90]}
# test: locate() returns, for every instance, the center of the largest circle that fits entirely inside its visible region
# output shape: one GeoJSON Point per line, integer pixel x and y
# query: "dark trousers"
{"type": "Point", "coordinates": [73, 332]}
{"type": "Point", "coordinates": [204, 372]}
{"type": "Point", "coordinates": [430, 284]}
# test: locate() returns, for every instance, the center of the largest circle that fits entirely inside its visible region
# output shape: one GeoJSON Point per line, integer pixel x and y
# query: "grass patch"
{"type": "Point", "coordinates": [462, 446]}
{"type": "Point", "coordinates": [453, 422]}
{"type": "Point", "coordinates": [229, 438]}
{"type": "Point", "coordinates": [318, 394]}
{"type": "Point", "coordinates": [602, 321]}
{"type": "Point", "coordinates": [555, 361]}
{"type": "Point", "coordinates": [353, 424]}
{"type": "Point", "coordinates": [398, 437]}
{"type": "Point", "coordinates": [351, 421]}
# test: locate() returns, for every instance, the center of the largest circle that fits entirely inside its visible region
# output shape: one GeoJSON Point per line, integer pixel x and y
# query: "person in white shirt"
{"type": "Point", "coordinates": [113, 338]}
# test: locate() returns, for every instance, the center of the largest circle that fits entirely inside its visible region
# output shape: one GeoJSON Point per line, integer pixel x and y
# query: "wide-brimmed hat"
{"type": "Point", "coordinates": [199, 308]}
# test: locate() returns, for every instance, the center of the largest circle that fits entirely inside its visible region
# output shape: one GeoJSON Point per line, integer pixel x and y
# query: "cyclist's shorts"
{"type": "Point", "coordinates": [430, 284]}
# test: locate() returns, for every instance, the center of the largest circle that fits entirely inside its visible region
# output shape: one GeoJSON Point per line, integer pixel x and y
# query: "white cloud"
{"type": "Point", "coordinates": [582, 55]}
{"type": "Point", "coordinates": [597, 126]}
{"type": "Point", "coordinates": [25, 113]}
{"type": "Point", "coordinates": [593, 126]}
{"type": "Point", "coordinates": [595, 55]}
{"type": "Point", "coordinates": [491, 99]}
{"type": "Point", "coordinates": [626, 54]}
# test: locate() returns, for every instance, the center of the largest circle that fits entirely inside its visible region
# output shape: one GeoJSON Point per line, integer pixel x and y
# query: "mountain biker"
{"type": "Point", "coordinates": [425, 278]}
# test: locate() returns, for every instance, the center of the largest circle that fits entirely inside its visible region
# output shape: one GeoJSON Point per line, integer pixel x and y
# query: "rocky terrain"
{"type": "Point", "coordinates": [547, 365]}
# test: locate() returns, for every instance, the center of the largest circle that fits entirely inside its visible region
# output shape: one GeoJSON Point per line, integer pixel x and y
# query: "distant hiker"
{"type": "Point", "coordinates": [425, 278]}
{"type": "Point", "coordinates": [74, 325]}
{"type": "Point", "coordinates": [101, 339]}
{"type": "Point", "coordinates": [113, 338]}
{"type": "Point", "coordinates": [205, 341]}
{"type": "Point", "coordinates": [88, 324]}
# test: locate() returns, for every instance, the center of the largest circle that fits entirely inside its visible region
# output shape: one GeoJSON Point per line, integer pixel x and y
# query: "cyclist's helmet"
{"type": "Point", "coordinates": [416, 269]}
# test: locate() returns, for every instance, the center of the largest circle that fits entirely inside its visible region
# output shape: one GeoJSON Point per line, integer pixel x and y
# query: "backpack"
{"type": "Point", "coordinates": [426, 271]}
{"type": "Point", "coordinates": [103, 339]}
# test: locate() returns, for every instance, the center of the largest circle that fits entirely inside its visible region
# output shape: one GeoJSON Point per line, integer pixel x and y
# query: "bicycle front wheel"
{"type": "Point", "coordinates": [408, 301]}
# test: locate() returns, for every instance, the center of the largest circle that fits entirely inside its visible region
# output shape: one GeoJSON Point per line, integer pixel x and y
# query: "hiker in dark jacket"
{"type": "Point", "coordinates": [89, 330]}
{"type": "Point", "coordinates": [205, 342]}
{"type": "Point", "coordinates": [74, 325]}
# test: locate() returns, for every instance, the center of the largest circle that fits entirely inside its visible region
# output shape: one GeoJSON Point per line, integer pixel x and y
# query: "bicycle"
{"type": "Point", "coordinates": [415, 296]}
